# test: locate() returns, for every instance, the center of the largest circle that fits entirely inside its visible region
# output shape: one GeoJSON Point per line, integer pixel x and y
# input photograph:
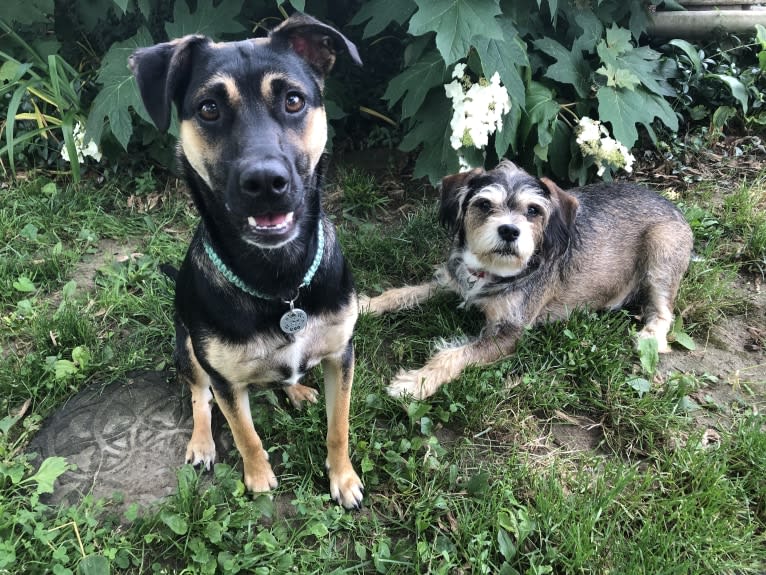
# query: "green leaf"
{"type": "Point", "coordinates": [119, 92]}
{"type": "Point", "coordinates": [691, 53]}
{"type": "Point", "coordinates": [50, 470]}
{"type": "Point", "coordinates": [623, 109]}
{"type": "Point", "coordinates": [619, 77]}
{"type": "Point", "coordinates": [28, 12]}
{"type": "Point", "coordinates": [648, 354]}
{"type": "Point", "coordinates": [24, 285]}
{"type": "Point", "coordinates": [506, 545]}
{"type": "Point", "coordinates": [121, 4]}
{"type": "Point", "coordinates": [541, 114]}
{"type": "Point", "coordinates": [414, 83]}
{"type": "Point", "coordinates": [683, 339]}
{"type": "Point", "coordinates": [592, 31]}
{"type": "Point", "coordinates": [641, 385]}
{"type": "Point", "coordinates": [380, 13]}
{"type": "Point", "coordinates": [505, 56]}
{"type": "Point", "coordinates": [455, 23]}
{"type": "Point", "coordinates": [210, 20]}
{"type": "Point", "coordinates": [94, 565]}
{"type": "Point", "coordinates": [176, 522]}
{"type": "Point", "coordinates": [570, 67]}
{"type": "Point", "coordinates": [432, 129]}
{"type": "Point", "coordinates": [736, 87]}
{"type": "Point", "coordinates": [64, 369]}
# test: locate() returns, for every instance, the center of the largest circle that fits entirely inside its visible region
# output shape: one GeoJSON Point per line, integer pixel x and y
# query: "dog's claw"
{"type": "Point", "coordinates": [347, 489]}
{"type": "Point", "coordinates": [201, 453]}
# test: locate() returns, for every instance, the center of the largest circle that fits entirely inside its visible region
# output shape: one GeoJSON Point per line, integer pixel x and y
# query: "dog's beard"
{"type": "Point", "coordinates": [486, 251]}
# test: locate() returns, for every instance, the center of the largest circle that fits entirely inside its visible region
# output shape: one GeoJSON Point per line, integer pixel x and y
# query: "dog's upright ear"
{"type": "Point", "coordinates": [454, 188]}
{"type": "Point", "coordinates": [162, 73]}
{"type": "Point", "coordinates": [315, 42]}
{"type": "Point", "coordinates": [559, 230]}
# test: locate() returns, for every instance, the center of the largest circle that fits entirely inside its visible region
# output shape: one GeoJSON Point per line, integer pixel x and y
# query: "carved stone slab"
{"type": "Point", "coordinates": [128, 437]}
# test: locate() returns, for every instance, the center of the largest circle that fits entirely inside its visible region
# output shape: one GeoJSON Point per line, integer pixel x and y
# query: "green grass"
{"type": "Point", "coordinates": [479, 479]}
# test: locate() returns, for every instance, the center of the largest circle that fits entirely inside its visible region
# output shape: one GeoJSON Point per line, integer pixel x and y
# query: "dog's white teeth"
{"type": "Point", "coordinates": [272, 223]}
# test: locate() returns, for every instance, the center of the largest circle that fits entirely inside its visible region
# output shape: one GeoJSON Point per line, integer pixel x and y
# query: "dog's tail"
{"type": "Point", "coordinates": [170, 271]}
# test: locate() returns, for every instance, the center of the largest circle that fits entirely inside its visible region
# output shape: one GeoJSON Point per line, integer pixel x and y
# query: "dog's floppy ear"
{"type": "Point", "coordinates": [453, 191]}
{"type": "Point", "coordinates": [558, 232]}
{"type": "Point", "coordinates": [315, 42]}
{"type": "Point", "coordinates": [162, 73]}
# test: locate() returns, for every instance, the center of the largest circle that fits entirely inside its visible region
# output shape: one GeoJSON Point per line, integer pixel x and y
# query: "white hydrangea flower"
{"type": "Point", "coordinates": [477, 110]}
{"type": "Point", "coordinates": [595, 142]}
{"type": "Point", "coordinates": [83, 149]}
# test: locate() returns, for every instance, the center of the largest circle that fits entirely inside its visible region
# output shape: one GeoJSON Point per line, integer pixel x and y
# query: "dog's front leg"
{"type": "Point", "coordinates": [345, 486]}
{"type": "Point", "coordinates": [398, 298]}
{"type": "Point", "coordinates": [448, 363]}
{"type": "Point", "coordinates": [235, 407]}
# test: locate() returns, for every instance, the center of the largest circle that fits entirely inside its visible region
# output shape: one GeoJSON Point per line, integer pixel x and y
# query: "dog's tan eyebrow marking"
{"type": "Point", "coordinates": [229, 85]}
{"type": "Point", "coordinates": [267, 84]}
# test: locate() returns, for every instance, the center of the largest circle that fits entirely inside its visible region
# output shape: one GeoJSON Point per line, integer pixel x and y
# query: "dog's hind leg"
{"type": "Point", "coordinates": [448, 363]}
{"type": "Point", "coordinates": [667, 249]}
{"type": "Point", "coordinates": [201, 447]}
{"type": "Point", "coordinates": [345, 486]}
{"type": "Point", "coordinates": [398, 298]}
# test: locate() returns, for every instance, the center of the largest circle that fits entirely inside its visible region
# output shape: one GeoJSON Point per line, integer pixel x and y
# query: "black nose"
{"type": "Point", "coordinates": [508, 232]}
{"type": "Point", "coordinates": [265, 177]}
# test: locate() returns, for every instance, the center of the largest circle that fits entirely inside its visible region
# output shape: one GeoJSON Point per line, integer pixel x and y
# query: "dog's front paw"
{"type": "Point", "coordinates": [364, 304]}
{"type": "Point", "coordinates": [201, 450]}
{"type": "Point", "coordinates": [345, 486]}
{"type": "Point", "coordinates": [259, 477]}
{"type": "Point", "coordinates": [662, 341]}
{"type": "Point", "coordinates": [300, 394]}
{"type": "Point", "coordinates": [413, 383]}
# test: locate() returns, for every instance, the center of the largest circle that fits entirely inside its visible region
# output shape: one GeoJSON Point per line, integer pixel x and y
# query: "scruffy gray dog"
{"type": "Point", "coordinates": [525, 251]}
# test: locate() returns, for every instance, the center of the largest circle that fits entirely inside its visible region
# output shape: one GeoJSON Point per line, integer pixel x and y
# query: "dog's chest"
{"type": "Point", "coordinates": [273, 359]}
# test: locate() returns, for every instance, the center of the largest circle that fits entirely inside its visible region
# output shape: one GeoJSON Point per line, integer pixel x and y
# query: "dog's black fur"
{"type": "Point", "coordinates": [252, 132]}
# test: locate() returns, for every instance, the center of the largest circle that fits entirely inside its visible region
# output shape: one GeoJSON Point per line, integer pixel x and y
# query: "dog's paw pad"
{"type": "Point", "coordinates": [299, 394]}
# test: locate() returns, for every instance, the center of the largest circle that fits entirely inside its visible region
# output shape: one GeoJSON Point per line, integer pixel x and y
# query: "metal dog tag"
{"type": "Point", "coordinates": [293, 320]}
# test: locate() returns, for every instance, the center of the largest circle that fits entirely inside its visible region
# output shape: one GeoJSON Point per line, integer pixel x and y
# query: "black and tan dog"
{"type": "Point", "coordinates": [264, 293]}
{"type": "Point", "coordinates": [525, 251]}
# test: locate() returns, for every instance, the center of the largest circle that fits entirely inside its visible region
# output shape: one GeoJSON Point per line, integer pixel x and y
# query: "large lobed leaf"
{"type": "Point", "coordinates": [414, 83]}
{"type": "Point", "coordinates": [455, 23]}
{"type": "Point", "coordinates": [119, 92]}
{"type": "Point", "coordinates": [623, 109]}
{"type": "Point", "coordinates": [380, 13]}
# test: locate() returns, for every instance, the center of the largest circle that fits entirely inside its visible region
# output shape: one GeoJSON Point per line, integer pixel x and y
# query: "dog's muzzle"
{"type": "Point", "coordinates": [268, 199]}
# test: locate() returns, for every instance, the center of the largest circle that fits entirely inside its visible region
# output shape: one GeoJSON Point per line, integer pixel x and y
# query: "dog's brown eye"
{"type": "Point", "coordinates": [294, 102]}
{"type": "Point", "coordinates": [208, 111]}
{"type": "Point", "coordinates": [533, 211]}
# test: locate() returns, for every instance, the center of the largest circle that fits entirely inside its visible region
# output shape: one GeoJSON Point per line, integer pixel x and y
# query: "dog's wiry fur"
{"type": "Point", "coordinates": [252, 131]}
{"type": "Point", "coordinates": [525, 251]}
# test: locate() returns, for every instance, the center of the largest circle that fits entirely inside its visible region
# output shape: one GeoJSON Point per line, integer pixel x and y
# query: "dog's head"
{"type": "Point", "coordinates": [252, 121]}
{"type": "Point", "coordinates": [503, 217]}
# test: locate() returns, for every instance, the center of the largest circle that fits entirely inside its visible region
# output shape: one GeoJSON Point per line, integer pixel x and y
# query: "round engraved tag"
{"type": "Point", "coordinates": [293, 320]}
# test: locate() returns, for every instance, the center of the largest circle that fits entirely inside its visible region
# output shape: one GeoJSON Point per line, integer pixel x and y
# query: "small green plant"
{"type": "Point", "coordinates": [360, 195]}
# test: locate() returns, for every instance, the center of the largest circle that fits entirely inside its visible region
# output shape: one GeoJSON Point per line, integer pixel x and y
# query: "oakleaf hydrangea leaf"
{"type": "Point", "coordinates": [455, 23]}
{"type": "Point", "coordinates": [380, 13]}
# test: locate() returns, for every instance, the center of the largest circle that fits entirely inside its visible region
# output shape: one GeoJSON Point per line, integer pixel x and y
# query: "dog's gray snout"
{"type": "Point", "coordinates": [266, 176]}
{"type": "Point", "coordinates": [508, 232]}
